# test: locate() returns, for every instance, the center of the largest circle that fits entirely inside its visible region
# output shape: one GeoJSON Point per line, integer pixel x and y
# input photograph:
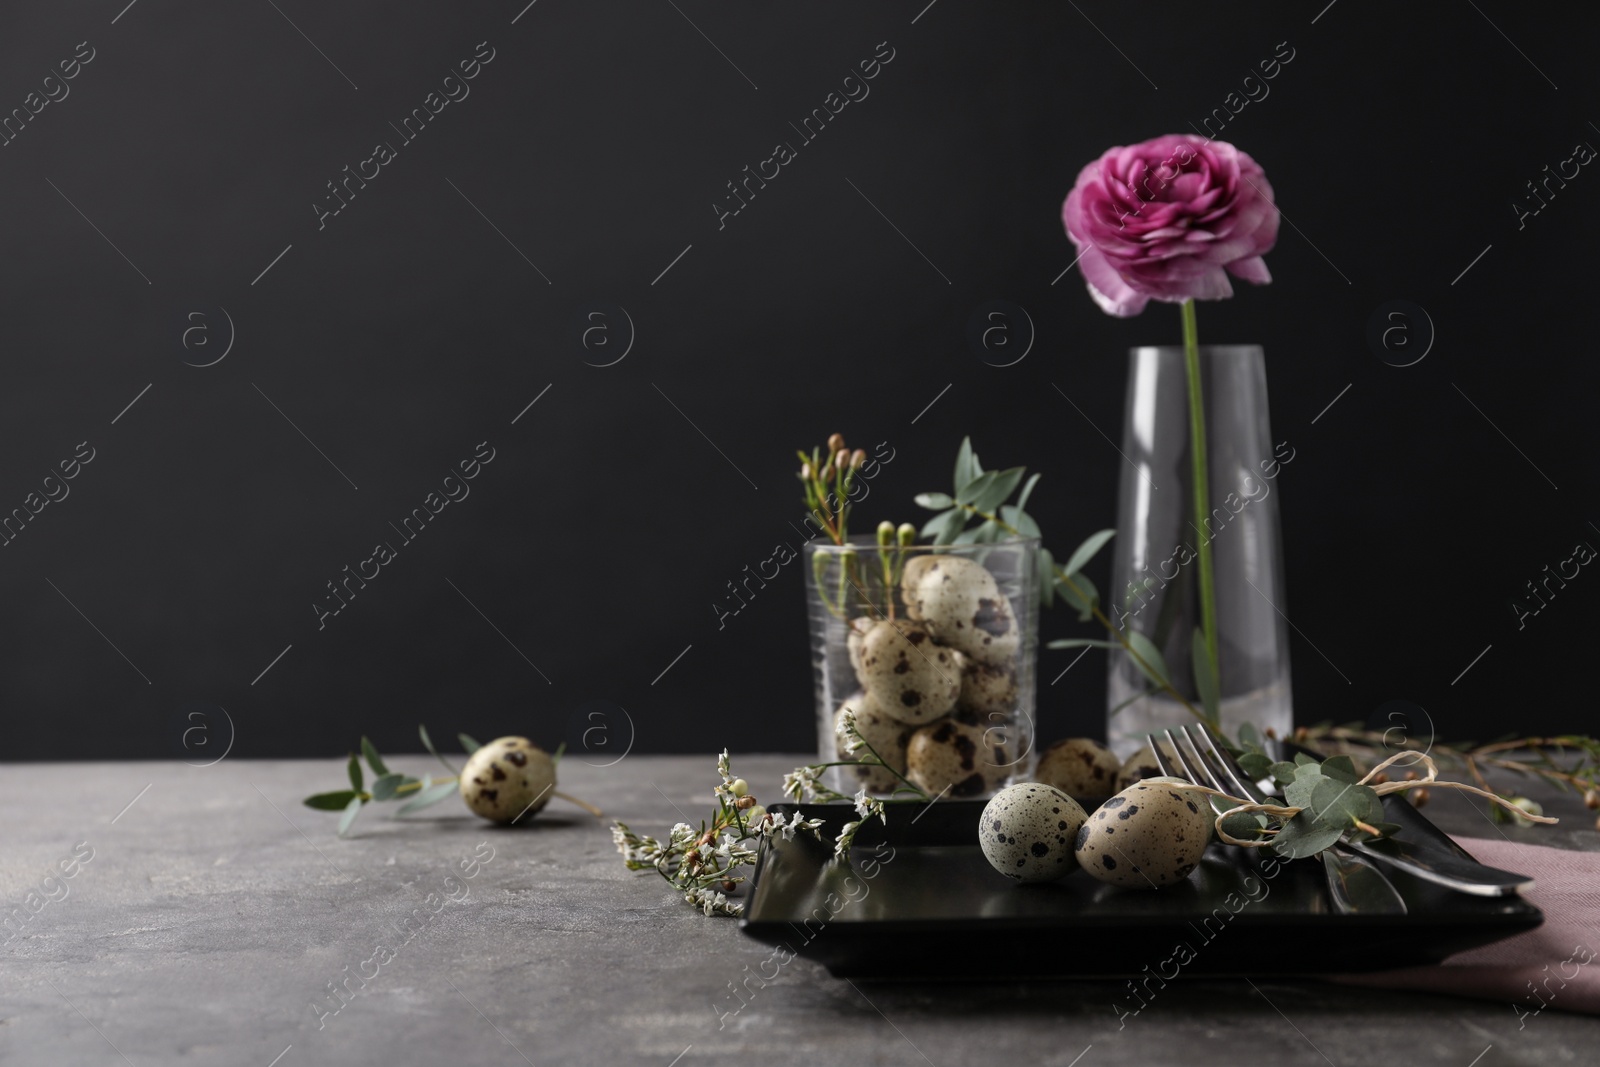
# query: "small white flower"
{"type": "Point", "coordinates": [800, 783]}
{"type": "Point", "coordinates": [849, 737]}
{"type": "Point", "coordinates": [864, 804]}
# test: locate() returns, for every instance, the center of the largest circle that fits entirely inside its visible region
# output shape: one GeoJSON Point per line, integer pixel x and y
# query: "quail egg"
{"type": "Point", "coordinates": [1027, 832]}
{"type": "Point", "coordinates": [911, 577]}
{"type": "Point", "coordinates": [1079, 767]}
{"type": "Point", "coordinates": [508, 779]}
{"type": "Point", "coordinates": [986, 688]}
{"type": "Point", "coordinates": [909, 676]}
{"type": "Point", "coordinates": [1147, 836]}
{"type": "Point", "coordinates": [886, 735]}
{"type": "Point", "coordinates": [959, 602]}
{"type": "Point", "coordinates": [858, 631]}
{"type": "Point", "coordinates": [1142, 764]}
{"type": "Point", "coordinates": [963, 756]}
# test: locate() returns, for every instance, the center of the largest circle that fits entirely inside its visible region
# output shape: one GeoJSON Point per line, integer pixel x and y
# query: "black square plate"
{"type": "Point", "coordinates": [920, 901]}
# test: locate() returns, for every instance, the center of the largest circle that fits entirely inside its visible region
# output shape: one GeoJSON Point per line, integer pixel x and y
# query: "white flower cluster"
{"type": "Point", "coordinates": [788, 826]}
{"type": "Point", "coordinates": [849, 736]}
{"type": "Point", "coordinates": [801, 783]}
{"type": "Point", "coordinates": [713, 903]}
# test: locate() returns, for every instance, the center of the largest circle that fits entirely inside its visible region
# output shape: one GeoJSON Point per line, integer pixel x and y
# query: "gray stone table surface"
{"type": "Point", "coordinates": [216, 910]}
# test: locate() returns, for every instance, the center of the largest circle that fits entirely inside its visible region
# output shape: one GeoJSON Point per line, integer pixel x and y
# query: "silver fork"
{"type": "Point", "coordinates": [1453, 869]}
{"type": "Point", "coordinates": [1355, 886]}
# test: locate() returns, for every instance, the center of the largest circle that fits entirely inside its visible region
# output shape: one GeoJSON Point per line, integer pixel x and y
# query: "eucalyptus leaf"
{"type": "Point", "coordinates": [1297, 794]}
{"type": "Point", "coordinates": [1086, 551]}
{"type": "Point", "coordinates": [1004, 484]}
{"type": "Point", "coordinates": [427, 742]}
{"type": "Point", "coordinates": [374, 760]}
{"type": "Point", "coordinates": [1084, 598]}
{"type": "Point", "coordinates": [942, 529]}
{"type": "Point", "coordinates": [1047, 581]}
{"type": "Point", "coordinates": [1302, 836]}
{"type": "Point", "coordinates": [1255, 766]}
{"type": "Point", "coordinates": [1341, 767]}
{"type": "Point", "coordinates": [1249, 736]}
{"type": "Point", "coordinates": [971, 491]}
{"type": "Point", "coordinates": [1081, 642]}
{"type": "Point", "coordinates": [1205, 683]}
{"type": "Point", "coordinates": [1027, 491]}
{"type": "Point", "coordinates": [934, 501]}
{"type": "Point", "coordinates": [1339, 803]}
{"type": "Point", "coordinates": [351, 810]}
{"type": "Point", "coordinates": [1244, 825]}
{"type": "Point", "coordinates": [468, 743]}
{"type": "Point", "coordinates": [329, 801]}
{"type": "Point", "coordinates": [357, 779]}
{"type": "Point", "coordinates": [967, 467]}
{"type": "Point", "coordinates": [430, 796]}
{"type": "Point", "coordinates": [384, 786]}
{"type": "Point", "coordinates": [1148, 658]}
{"type": "Point", "coordinates": [1020, 521]}
{"type": "Point", "coordinates": [969, 536]}
{"type": "Point", "coordinates": [1283, 772]}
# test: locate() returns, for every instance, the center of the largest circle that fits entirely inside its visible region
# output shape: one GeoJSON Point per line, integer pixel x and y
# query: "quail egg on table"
{"type": "Point", "coordinates": [508, 779]}
{"type": "Point", "coordinates": [963, 756]}
{"type": "Point", "coordinates": [960, 604]}
{"type": "Point", "coordinates": [1079, 767]}
{"type": "Point", "coordinates": [1027, 832]}
{"type": "Point", "coordinates": [1152, 834]}
{"type": "Point", "coordinates": [911, 678]}
{"type": "Point", "coordinates": [886, 735]}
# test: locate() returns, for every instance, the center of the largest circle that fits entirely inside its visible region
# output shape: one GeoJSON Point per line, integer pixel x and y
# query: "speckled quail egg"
{"type": "Point", "coordinates": [886, 735]}
{"type": "Point", "coordinates": [986, 688]}
{"type": "Point", "coordinates": [964, 756]}
{"type": "Point", "coordinates": [909, 676]}
{"type": "Point", "coordinates": [911, 577]}
{"type": "Point", "coordinates": [508, 779]}
{"type": "Point", "coordinates": [1142, 764]}
{"type": "Point", "coordinates": [1028, 832]}
{"type": "Point", "coordinates": [858, 631]}
{"type": "Point", "coordinates": [1079, 767]}
{"type": "Point", "coordinates": [1147, 836]}
{"type": "Point", "coordinates": [960, 604]}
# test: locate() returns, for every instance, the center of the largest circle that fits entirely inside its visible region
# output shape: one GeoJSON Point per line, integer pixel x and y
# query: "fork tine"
{"type": "Point", "coordinates": [1162, 760]}
{"type": "Point", "coordinates": [1195, 771]}
{"type": "Point", "coordinates": [1222, 761]}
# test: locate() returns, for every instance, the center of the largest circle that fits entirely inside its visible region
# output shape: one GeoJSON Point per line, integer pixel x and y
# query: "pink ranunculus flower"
{"type": "Point", "coordinates": [1169, 220]}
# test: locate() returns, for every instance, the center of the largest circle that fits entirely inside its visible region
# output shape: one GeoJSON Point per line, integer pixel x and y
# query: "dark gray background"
{"type": "Point", "coordinates": [409, 329]}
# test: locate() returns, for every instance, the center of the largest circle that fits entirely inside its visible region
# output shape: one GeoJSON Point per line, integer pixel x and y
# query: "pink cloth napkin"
{"type": "Point", "coordinates": [1554, 966]}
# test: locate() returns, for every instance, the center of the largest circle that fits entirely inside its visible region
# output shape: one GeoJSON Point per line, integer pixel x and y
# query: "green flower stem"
{"type": "Point", "coordinates": [1202, 489]}
{"type": "Point", "coordinates": [1100, 616]}
{"type": "Point", "coordinates": [882, 763]}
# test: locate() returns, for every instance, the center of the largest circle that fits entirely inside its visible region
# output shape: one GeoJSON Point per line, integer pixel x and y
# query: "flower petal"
{"type": "Point", "coordinates": [1114, 295]}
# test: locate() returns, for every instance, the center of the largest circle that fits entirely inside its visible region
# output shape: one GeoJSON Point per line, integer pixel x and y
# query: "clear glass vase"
{"type": "Point", "coordinates": [1155, 585]}
{"type": "Point", "coordinates": [938, 667]}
